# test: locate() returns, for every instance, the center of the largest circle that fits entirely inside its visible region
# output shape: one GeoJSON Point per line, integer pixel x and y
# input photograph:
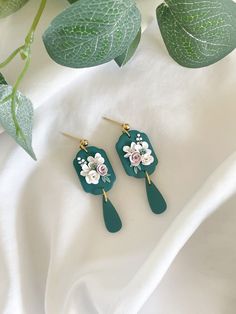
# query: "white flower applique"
{"type": "Point", "coordinates": [93, 169]}
{"type": "Point", "coordinates": [138, 154]}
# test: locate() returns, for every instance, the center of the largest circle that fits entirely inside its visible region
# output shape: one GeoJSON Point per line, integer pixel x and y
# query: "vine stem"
{"type": "Point", "coordinates": [13, 96]}
{"type": "Point", "coordinates": [29, 38]}
{"type": "Point", "coordinates": [25, 51]}
{"type": "Point", "coordinates": [11, 57]}
{"type": "Point", "coordinates": [28, 41]}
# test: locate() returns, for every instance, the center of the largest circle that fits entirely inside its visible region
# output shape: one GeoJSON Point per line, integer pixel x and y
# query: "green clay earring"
{"type": "Point", "coordinates": [139, 160]}
{"type": "Point", "coordinates": [97, 177]}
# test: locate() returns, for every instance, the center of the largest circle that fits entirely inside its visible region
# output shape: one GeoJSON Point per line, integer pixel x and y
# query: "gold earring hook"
{"type": "Point", "coordinates": [82, 142]}
{"type": "Point", "coordinates": [125, 126]}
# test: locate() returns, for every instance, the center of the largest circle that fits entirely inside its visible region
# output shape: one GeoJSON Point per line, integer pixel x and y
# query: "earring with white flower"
{"type": "Point", "coordinates": [97, 177]}
{"type": "Point", "coordinates": [139, 160]}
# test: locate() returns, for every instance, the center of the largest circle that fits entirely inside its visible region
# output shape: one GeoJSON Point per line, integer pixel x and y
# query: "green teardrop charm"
{"type": "Point", "coordinates": [111, 217]}
{"type": "Point", "coordinates": [155, 199]}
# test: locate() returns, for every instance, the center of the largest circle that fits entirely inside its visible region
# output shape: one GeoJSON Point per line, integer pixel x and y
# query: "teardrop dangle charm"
{"type": "Point", "coordinates": [155, 199]}
{"type": "Point", "coordinates": [111, 217]}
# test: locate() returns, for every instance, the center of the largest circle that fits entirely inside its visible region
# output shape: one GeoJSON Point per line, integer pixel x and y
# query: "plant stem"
{"type": "Point", "coordinates": [11, 57]}
{"type": "Point", "coordinates": [22, 74]}
{"type": "Point", "coordinates": [30, 36]}
{"type": "Point", "coordinates": [13, 96]}
{"type": "Point", "coordinates": [28, 41]}
{"type": "Point", "coordinates": [25, 51]}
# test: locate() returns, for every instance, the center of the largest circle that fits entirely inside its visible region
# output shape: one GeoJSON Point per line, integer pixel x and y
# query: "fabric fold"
{"type": "Point", "coordinates": [217, 189]}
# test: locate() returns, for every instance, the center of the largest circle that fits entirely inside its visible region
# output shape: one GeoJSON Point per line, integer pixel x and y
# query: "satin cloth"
{"type": "Point", "coordinates": [55, 253]}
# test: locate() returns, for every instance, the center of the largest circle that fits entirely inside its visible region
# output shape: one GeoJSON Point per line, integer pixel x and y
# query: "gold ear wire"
{"type": "Point", "coordinates": [125, 126]}
{"type": "Point", "coordinates": [83, 143]}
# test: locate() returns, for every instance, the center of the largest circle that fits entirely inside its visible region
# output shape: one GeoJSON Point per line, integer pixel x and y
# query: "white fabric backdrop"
{"type": "Point", "coordinates": [55, 254]}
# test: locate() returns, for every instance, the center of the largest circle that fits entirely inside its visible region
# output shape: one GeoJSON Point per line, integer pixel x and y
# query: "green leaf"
{"type": "Point", "coordinates": [2, 79]}
{"type": "Point", "coordinates": [130, 51]}
{"type": "Point", "coordinates": [24, 115]}
{"type": "Point", "coordinates": [8, 7]}
{"type": "Point", "coordinates": [72, 1]}
{"type": "Point", "coordinates": [89, 33]}
{"type": "Point", "coordinates": [198, 33]}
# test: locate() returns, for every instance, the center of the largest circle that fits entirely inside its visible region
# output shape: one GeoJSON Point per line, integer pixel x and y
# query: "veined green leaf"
{"type": "Point", "coordinates": [2, 79]}
{"type": "Point", "coordinates": [128, 54]}
{"type": "Point", "coordinates": [24, 115]}
{"type": "Point", "coordinates": [93, 32]}
{"type": "Point", "coordinates": [198, 33]}
{"type": "Point", "coordinates": [8, 7]}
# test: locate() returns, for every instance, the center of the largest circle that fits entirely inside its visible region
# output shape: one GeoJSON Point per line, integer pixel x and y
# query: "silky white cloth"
{"type": "Point", "coordinates": [55, 254]}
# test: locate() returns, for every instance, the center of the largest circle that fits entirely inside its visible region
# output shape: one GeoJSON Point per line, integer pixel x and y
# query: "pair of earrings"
{"type": "Point", "coordinates": [97, 176]}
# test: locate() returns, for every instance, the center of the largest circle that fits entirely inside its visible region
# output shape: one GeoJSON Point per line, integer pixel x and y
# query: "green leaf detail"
{"type": "Point", "coordinates": [8, 7]}
{"type": "Point", "coordinates": [24, 115]}
{"type": "Point", "coordinates": [2, 80]}
{"type": "Point", "coordinates": [89, 33]}
{"type": "Point", "coordinates": [198, 33]}
{"type": "Point", "coordinates": [106, 179]}
{"type": "Point", "coordinates": [128, 54]}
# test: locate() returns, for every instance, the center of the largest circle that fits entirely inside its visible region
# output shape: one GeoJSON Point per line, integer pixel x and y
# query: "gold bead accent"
{"type": "Point", "coordinates": [126, 126]}
{"type": "Point", "coordinates": [84, 143]}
